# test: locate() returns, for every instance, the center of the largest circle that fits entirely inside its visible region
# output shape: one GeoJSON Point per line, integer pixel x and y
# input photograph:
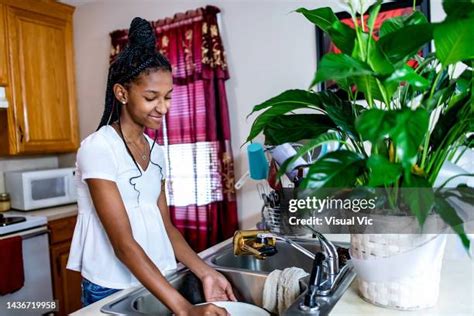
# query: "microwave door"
{"type": "Point", "coordinates": [44, 191]}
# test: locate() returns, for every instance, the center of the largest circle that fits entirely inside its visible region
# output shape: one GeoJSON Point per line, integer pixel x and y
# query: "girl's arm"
{"type": "Point", "coordinates": [216, 287]}
{"type": "Point", "coordinates": [111, 211]}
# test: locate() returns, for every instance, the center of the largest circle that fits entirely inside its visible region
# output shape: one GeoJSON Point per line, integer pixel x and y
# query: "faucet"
{"type": "Point", "coordinates": [262, 244]}
{"type": "Point", "coordinates": [326, 274]}
{"type": "Point", "coordinates": [288, 241]}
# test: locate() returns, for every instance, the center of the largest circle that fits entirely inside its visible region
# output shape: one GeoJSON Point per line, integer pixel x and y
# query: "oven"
{"type": "Point", "coordinates": [36, 265]}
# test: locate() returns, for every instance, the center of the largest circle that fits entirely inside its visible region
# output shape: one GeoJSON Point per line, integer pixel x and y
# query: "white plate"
{"type": "Point", "coordinates": [239, 308]}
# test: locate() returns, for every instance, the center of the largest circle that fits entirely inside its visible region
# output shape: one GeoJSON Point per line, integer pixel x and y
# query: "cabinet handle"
{"type": "Point", "coordinates": [21, 133]}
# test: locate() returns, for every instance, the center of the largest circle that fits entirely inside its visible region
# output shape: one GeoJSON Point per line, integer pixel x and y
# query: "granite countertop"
{"type": "Point", "coordinates": [51, 213]}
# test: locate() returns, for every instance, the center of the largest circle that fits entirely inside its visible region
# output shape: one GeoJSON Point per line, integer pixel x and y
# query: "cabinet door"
{"type": "Point", "coordinates": [66, 283]}
{"type": "Point", "coordinates": [3, 48]}
{"type": "Point", "coordinates": [43, 82]}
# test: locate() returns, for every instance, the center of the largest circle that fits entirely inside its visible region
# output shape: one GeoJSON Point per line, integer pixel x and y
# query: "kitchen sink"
{"type": "Point", "coordinates": [247, 276]}
{"type": "Point", "coordinates": [247, 287]}
{"type": "Point", "coordinates": [287, 256]}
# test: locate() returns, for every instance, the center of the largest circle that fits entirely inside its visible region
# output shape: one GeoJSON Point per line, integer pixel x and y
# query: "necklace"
{"type": "Point", "coordinates": [143, 155]}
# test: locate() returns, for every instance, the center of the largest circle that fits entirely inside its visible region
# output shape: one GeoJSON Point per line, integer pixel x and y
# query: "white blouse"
{"type": "Point", "coordinates": [103, 155]}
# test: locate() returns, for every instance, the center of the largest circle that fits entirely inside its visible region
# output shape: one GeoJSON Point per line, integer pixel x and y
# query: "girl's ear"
{"type": "Point", "coordinates": [120, 93]}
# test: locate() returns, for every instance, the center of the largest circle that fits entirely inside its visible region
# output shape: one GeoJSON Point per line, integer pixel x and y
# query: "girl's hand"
{"type": "Point", "coordinates": [216, 287]}
{"type": "Point", "coordinates": [205, 310]}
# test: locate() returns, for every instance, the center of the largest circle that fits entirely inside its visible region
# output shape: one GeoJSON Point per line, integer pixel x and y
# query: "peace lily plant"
{"type": "Point", "coordinates": [413, 120]}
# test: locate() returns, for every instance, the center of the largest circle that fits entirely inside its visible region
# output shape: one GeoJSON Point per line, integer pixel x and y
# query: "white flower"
{"type": "Point", "coordinates": [356, 6]}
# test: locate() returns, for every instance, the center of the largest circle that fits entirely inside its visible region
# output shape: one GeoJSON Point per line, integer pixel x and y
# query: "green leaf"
{"type": "Point", "coordinates": [343, 36]}
{"type": "Point", "coordinates": [391, 25]}
{"type": "Point", "coordinates": [419, 197]}
{"type": "Point", "coordinates": [439, 97]}
{"type": "Point", "coordinates": [342, 113]}
{"type": "Point", "coordinates": [382, 171]}
{"type": "Point", "coordinates": [458, 8]}
{"type": "Point", "coordinates": [394, 24]}
{"type": "Point", "coordinates": [454, 40]}
{"type": "Point", "coordinates": [450, 216]}
{"type": "Point", "coordinates": [375, 57]}
{"type": "Point", "coordinates": [380, 147]}
{"type": "Point", "coordinates": [366, 84]}
{"type": "Point", "coordinates": [292, 128]}
{"type": "Point", "coordinates": [266, 117]}
{"type": "Point", "coordinates": [406, 128]}
{"type": "Point", "coordinates": [447, 121]}
{"type": "Point", "coordinates": [302, 97]}
{"type": "Point", "coordinates": [408, 75]}
{"type": "Point", "coordinates": [408, 133]}
{"type": "Point", "coordinates": [399, 46]}
{"type": "Point", "coordinates": [345, 84]}
{"type": "Point", "coordinates": [321, 17]}
{"type": "Point", "coordinates": [374, 12]}
{"type": "Point", "coordinates": [338, 169]}
{"type": "Point", "coordinates": [316, 142]}
{"type": "Point", "coordinates": [464, 81]}
{"type": "Point", "coordinates": [375, 124]}
{"type": "Point", "coordinates": [340, 66]}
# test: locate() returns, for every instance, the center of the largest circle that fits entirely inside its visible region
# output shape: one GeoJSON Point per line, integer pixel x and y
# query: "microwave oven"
{"type": "Point", "coordinates": [33, 189]}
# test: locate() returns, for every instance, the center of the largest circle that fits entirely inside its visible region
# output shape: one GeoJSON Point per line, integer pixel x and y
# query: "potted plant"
{"type": "Point", "coordinates": [415, 120]}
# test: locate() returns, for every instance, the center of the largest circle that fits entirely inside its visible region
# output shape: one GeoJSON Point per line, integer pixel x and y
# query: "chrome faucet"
{"type": "Point", "coordinates": [288, 241]}
{"type": "Point", "coordinates": [332, 257]}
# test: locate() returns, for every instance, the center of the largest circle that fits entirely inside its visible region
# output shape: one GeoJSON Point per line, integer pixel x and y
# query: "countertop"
{"type": "Point", "coordinates": [456, 297]}
{"type": "Point", "coordinates": [52, 213]}
{"type": "Point", "coordinates": [456, 291]}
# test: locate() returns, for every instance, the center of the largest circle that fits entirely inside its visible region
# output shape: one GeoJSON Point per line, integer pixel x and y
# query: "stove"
{"type": "Point", "coordinates": [36, 262]}
{"type": "Point", "coordinates": [14, 224]}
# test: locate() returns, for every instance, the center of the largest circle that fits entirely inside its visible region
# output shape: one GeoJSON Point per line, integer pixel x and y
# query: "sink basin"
{"type": "Point", "coordinates": [232, 266]}
{"type": "Point", "coordinates": [287, 256]}
{"type": "Point", "coordinates": [247, 276]}
{"type": "Point", "coordinates": [247, 288]}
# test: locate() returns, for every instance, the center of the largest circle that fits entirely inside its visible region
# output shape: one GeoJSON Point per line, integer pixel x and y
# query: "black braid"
{"type": "Point", "coordinates": [138, 57]}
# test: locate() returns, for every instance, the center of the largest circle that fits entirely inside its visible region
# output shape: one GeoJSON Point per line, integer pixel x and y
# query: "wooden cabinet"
{"type": "Point", "coordinates": [42, 116]}
{"type": "Point", "coordinates": [66, 283]}
{"type": "Point", "coordinates": [3, 48]}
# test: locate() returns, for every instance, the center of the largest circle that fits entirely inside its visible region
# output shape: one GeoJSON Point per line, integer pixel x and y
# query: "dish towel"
{"type": "Point", "coordinates": [12, 276]}
{"type": "Point", "coordinates": [281, 289]}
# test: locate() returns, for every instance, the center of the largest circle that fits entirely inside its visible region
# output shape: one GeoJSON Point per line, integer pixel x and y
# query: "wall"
{"type": "Point", "coordinates": [269, 49]}
{"type": "Point", "coordinates": [11, 164]}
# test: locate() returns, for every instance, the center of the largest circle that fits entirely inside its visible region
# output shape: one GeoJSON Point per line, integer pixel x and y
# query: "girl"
{"type": "Point", "coordinates": [124, 235]}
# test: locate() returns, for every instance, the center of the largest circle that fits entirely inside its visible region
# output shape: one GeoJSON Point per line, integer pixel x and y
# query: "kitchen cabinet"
{"type": "Point", "coordinates": [42, 116]}
{"type": "Point", "coordinates": [3, 51]}
{"type": "Point", "coordinates": [66, 283]}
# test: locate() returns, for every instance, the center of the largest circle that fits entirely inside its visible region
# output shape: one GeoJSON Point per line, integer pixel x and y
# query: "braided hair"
{"type": "Point", "coordinates": [137, 58]}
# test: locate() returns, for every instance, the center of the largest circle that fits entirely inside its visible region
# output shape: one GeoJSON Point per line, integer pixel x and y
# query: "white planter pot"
{"type": "Point", "coordinates": [399, 271]}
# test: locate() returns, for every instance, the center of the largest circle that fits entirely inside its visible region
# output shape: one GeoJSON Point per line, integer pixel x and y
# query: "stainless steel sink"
{"type": "Point", "coordinates": [247, 276]}
{"type": "Point", "coordinates": [287, 256]}
{"type": "Point", "coordinates": [247, 286]}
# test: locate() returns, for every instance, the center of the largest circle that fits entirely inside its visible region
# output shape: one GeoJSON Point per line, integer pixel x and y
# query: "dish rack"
{"type": "Point", "coordinates": [271, 218]}
{"type": "Point", "coordinates": [275, 214]}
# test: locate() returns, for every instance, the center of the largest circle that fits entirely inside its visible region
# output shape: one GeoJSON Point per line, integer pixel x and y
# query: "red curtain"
{"type": "Point", "coordinates": [196, 131]}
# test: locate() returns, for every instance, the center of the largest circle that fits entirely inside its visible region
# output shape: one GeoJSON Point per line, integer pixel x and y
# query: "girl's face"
{"type": "Point", "coordinates": [149, 98]}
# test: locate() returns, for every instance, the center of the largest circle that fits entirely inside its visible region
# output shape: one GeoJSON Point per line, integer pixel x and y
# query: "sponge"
{"type": "Point", "coordinates": [258, 164]}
